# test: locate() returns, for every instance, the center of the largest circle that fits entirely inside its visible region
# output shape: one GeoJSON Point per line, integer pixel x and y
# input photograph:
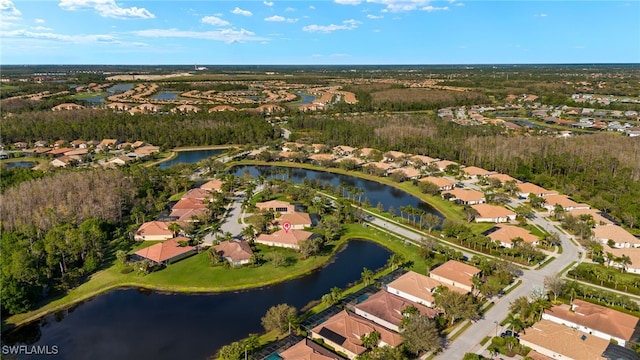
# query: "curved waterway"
{"type": "Point", "coordinates": [191, 156]}
{"type": "Point", "coordinates": [142, 324]}
{"type": "Point", "coordinates": [376, 192]}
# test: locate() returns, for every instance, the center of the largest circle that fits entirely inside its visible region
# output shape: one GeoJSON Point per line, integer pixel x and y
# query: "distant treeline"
{"type": "Point", "coordinates": [167, 130]}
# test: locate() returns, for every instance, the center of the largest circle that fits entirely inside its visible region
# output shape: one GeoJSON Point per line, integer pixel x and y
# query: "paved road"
{"type": "Point", "coordinates": [230, 224]}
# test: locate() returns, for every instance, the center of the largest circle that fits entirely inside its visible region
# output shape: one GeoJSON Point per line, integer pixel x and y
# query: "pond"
{"type": "Point", "coordinates": [142, 324]}
{"type": "Point", "coordinates": [306, 99]}
{"type": "Point", "coordinates": [374, 191]}
{"type": "Point", "coordinates": [120, 88]}
{"type": "Point", "coordinates": [190, 157]}
{"type": "Point", "coordinates": [166, 95]}
{"type": "Point", "coordinates": [15, 164]}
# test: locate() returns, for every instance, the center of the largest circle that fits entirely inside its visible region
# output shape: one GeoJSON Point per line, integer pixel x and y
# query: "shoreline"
{"type": "Point", "coordinates": [173, 153]}
{"type": "Point", "coordinates": [35, 315]}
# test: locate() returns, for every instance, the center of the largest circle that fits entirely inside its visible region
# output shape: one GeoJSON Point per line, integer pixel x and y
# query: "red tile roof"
{"type": "Point", "coordinates": [456, 271]}
{"type": "Point", "coordinates": [234, 250]}
{"type": "Point", "coordinates": [165, 250]}
{"type": "Point", "coordinates": [291, 237]}
{"type": "Point", "coordinates": [154, 228]}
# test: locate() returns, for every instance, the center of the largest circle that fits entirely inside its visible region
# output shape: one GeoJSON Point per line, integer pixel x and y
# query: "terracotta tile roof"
{"type": "Point", "coordinates": [274, 204]}
{"type": "Point", "coordinates": [356, 160]}
{"type": "Point", "coordinates": [506, 233]}
{"type": "Point", "coordinates": [562, 200]}
{"type": "Point", "coordinates": [395, 154]}
{"type": "Point", "coordinates": [423, 158]}
{"type": "Point", "coordinates": [234, 250]}
{"type": "Point", "coordinates": [503, 178]}
{"type": "Point", "coordinates": [344, 148]}
{"type": "Point", "coordinates": [476, 171]}
{"type": "Point", "coordinates": [389, 307]}
{"type": "Point", "coordinates": [350, 327]}
{"type": "Point", "coordinates": [534, 189]}
{"type": "Point", "coordinates": [615, 233]}
{"type": "Point", "coordinates": [295, 218]}
{"type": "Point", "coordinates": [77, 152]}
{"type": "Point", "coordinates": [308, 350]}
{"type": "Point", "coordinates": [597, 317]}
{"type": "Point", "coordinates": [165, 250]}
{"type": "Point", "coordinates": [189, 204]}
{"type": "Point", "coordinates": [59, 151]}
{"type": "Point", "coordinates": [418, 285]}
{"type": "Point", "coordinates": [197, 194]}
{"type": "Point", "coordinates": [438, 181]}
{"type": "Point", "coordinates": [213, 185]}
{"type": "Point", "coordinates": [408, 172]}
{"type": "Point", "coordinates": [456, 271]}
{"type": "Point", "coordinates": [154, 228]}
{"type": "Point", "coordinates": [534, 355]}
{"type": "Point", "coordinates": [632, 253]}
{"type": "Point", "coordinates": [466, 195]}
{"type": "Point", "coordinates": [366, 151]}
{"type": "Point", "coordinates": [222, 108]}
{"type": "Point", "coordinates": [442, 164]}
{"type": "Point", "coordinates": [291, 237]}
{"type": "Point", "coordinates": [380, 165]}
{"type": "Point", "coordinates": [595, 215]}
{"type": "Point", "coordinates": [492, 211]}
{"type": "Point", "coordinates": [187, 214]}
{"type": "Point", "coordinates": [565, 340]}
{"type": "Point", "coordinates": [321, 157]}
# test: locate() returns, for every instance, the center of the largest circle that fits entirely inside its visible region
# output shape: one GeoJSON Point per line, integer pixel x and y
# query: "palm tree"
{"type": "Point", "coordinates": [367, 276]}
{"type": "Point", "coordinates": [174, 228]}
{"type": "Point", "coordinates": [248, 233]}
{"type": "Point", "coordinates": [395, 261]}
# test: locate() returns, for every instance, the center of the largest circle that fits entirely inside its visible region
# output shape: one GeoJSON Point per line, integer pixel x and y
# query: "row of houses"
{"type": "Point", "coordinates": [382, 312]}
{"type": "Point", "coordinates": [581, 331]}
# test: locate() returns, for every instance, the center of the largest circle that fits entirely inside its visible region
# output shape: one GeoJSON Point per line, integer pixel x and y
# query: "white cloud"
{"type": "Point", "coordinates": [348, 2]}
{"type": "Point", "coordinates": [268, 3]}
{"type": "Point", "coordinates": [289, 9]}
{"type": "Point", "coordinates": [401, 5]}
{"type": "Point", "coordinates": [229, 36]}
{"type": "Point", "coordinates": [433, 8]}
{"type": "Point", "coordinates": [9, 14]}
{"type": "Point", "coordinates": [71, 39]}
{"type": "Point", "coordinates": [346, 25]}
{"type": "Point", "coordinates": [42, 28]}
{"type": "Point", "coordinates": [459, 4]}
{"type": "Point", "coordinates": [239, 11]}
{"type": "Point", "coordinates": [39, 21]}
{"type": "Point", "coordinates": [107, 8]}
{"type": "Point", "coordinates": [215, 21]}
{"type": "Point", "coordinates": [374, 17]}
{"type": "Point", "coordinates": [278, 18]}
{"type": "Point", "coordinates": [312, 7]}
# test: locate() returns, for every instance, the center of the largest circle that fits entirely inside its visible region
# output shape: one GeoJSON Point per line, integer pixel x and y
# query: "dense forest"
{"type": "Point", "coordinates": [168, 130]}
{"type": "Point", "coordinates": [602, 169]}
{"type": "Point", "coordinates": [58, 229]}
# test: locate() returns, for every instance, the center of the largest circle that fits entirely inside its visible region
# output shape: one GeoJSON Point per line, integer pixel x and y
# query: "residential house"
{"type": "Point", "coordinates": [120, 160]}
{"type": "Point", "coordinates": [632, 253]}
{"type": "Point", "coordinates": [456, 274]}
{"type": "Point", "coordinates": [67, 106]}
{"type": "Point", "coordinates": [441, 182]}
{"type": "Point", "coordinates": [442, 164]}
{"type": "Point", "coordinates": [417, 288]}
{"type": "Point", "coordinates": [154, 231]}
{"type": "Point", "coordinates": [20, 145]}
{"type": "Point", "coordinates": [59, 152]}
{"type": "Point", "coordinates": [493, 213]}
{"type": "Point", "coordinates": [197, 194]}
{"type": "Point", "coordinates": [118, 106]}
{"type": "Point", "coordinates": [214, 185]}
{"type": "Point", "coordinates": [527, 188]}
{"type": "Point", "coordinates": [188, 214]}
{"type": "Point", "coordinates": [107, 144]}
{"type": "Point", "coordinates": [237, 253]}
{"type": "Point", "coordinates": [278, 206]}
{"type": "Point", "coordinates": [561, 342]}
{"type": "Point", "coordinates": [307, 349]}
{"type": "Point", "coordinates": [407, 172]}
{"type": "Point", "coordinates": [146, 150]}
{"type": "Point", "coordinates": [620, 237]}
{"type": "Point", "coordinates": [474, 172]}
{"type": "Point", "coordinates": [386, 309]}
{"type": "Point", "coordinates": [597, 217]}
{"type": "Point", "coordinates": [344, 331]}
{"type": "Point", "coordinates": [40, 143]}
{"type": "Point", "coordinates": [567, 204]}
{"type": "Point", "coordinates": [269, 109]}
{"type": "Point", "coordinates": [597, 320]}
{"type": "Point", "coordinates": [185, 108]}
{"type": "Point", "coordinates": [77, 152]}
{"type": "Point", "coordinates": [465, 196]}
{"type": "Point", "coordinates": [167, 251]}
{"type": "Point", "coordinates": [419, 160]}
{"type": "Point", "coordinates": [222, 108]}
{"type": "Point", "coordinates": [321, 159]}
{"type": "Point", "coordinates": [287, 239]}
{"type": "Point", "coordinates": [393, 156]}
{"type": "Point", "coordinates": [366, 152]}
{"type": "Point", "coordinates": [343, 150]}
{"type": "Point", "coordinates": [62, 161]}
{"type": "Point", "coordinates": [298, 220]}
{"type": "Point", "coordinates": [502, 178]}
{"type": "Point", "coordinates": [378, 166]}
{"type": "Point", "coordinates": [504, 234]}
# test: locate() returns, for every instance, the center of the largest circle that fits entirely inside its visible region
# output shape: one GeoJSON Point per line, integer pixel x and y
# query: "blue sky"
{"type": "Point", "coordinates": [318, 32]}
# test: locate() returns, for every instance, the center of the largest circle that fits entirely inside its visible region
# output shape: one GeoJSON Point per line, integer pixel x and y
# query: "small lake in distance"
{"type": "Point", "coordinates": [190, 157]}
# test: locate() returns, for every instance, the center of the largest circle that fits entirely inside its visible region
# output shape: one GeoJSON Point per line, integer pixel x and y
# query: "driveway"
{"type": "Point", "coordinates": [231, 222]}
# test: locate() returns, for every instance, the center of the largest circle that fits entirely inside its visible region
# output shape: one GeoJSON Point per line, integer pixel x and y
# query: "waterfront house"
{"type": "Point", "coordinates": [417, 288]}
{"type": "Point", "coordinates": [237, 253]}
{"type": "Point", "coordinates": [213, 185]}
{"type": "Point", "coordinates": [154, 231]}
{"type": "Point", "coordinates": [493, 213]}
{"type": "Point", "coordinates": [287, 239]}
{"type": "Point", "coordinates": [306, 349]}
{"type": "Point", "coordinates": [298, 220]}
{"type": "Point", "coordinates": [276, 206]}
{"type": "Point", "coordinates": [167, 251]}
{"type": "Point", "coordinates": [386, 309]}
{"type": "Point", "coordinates": [441, 182]}
{"type": "Point", "coordinates": [464, 196]}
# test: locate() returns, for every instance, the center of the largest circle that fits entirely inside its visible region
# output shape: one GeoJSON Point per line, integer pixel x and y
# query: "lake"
{"type": "Point", "coordinates": [120, 88]}
{"type": "Point", "coordinates": [374, 191]}
{"type": "Point", "coordinates": [190, 157]}
{"type": "Point", "coordinates": [142, 324]}
{"type": "Point", "coordinates": [15, 164]}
